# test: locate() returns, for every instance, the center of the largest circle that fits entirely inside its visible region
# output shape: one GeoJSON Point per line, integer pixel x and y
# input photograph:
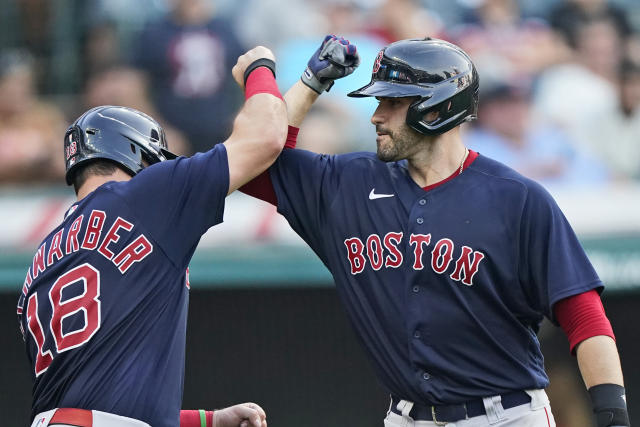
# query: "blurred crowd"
{"type": "Point", "coordinates": [560, 79]}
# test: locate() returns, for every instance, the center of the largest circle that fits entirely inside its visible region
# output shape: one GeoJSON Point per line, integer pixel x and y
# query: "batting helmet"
{"type": "Point", "coordinates": [438, 72]}
{"type": "Point", "coordinates": [119, 134]}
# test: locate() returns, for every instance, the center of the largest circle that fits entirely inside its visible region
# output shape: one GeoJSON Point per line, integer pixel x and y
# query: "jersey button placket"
{"type": "Point", "coordinates": [417, 338]}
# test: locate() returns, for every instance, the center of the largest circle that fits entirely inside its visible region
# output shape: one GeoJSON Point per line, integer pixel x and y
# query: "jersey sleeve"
{"type": "Point", "coordinates": [179, 200]}
{"type": "Point", "coordinates": [552, 263]}
{"type": "Point", "coordinates": [305, 185]}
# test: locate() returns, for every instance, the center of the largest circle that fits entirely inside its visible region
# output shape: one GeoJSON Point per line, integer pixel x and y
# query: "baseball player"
{"type": "Point", "coordinates": [103, 308]}
{"type": "Point", "coordinates": [446, 260]}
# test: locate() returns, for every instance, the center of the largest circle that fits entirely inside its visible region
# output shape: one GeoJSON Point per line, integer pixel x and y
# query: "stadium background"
{"type": "Point", "coordinates": [265, 323]}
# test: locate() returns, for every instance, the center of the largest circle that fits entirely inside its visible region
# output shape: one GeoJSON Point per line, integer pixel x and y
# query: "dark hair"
{"type": "Point", "coordinates": [96, 167]}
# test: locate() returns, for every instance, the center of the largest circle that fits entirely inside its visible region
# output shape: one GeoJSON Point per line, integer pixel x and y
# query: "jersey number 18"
{"type": "Point", "coordinates": [88, 303]}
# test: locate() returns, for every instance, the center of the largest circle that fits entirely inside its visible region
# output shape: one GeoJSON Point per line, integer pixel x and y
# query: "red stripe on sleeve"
{"type": "Point", "coordinates": [582, 316]}
{"type": "Point", "coordinates": [209, 417]}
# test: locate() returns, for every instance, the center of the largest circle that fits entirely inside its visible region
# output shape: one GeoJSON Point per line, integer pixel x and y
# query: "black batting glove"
{"type": "Point", "coordinates": [334, 59]}
{"type": "Point", "coordinates": [609, 405]}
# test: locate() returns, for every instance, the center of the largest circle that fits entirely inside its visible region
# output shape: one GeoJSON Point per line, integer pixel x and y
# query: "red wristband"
{"type": "Point", "coordinates": [292, 137]}
{"type": "Point", "coordinates": [261, 80]}
{"type": "Point", "coordinates": [194, 418]}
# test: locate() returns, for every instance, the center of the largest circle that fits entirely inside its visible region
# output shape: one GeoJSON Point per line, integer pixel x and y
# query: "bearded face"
{"type": "Point", "coordinates": [395, 140]}
{"type": "Point", "coordinates": [396, 144]}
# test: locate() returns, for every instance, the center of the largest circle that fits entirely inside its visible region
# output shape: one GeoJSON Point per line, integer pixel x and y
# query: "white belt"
{"type": "Point", "coordinates": [83, 418]}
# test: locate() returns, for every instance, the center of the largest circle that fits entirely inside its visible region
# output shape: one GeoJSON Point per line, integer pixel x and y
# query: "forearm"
{"type": "Point", "coordinates": [258, 136]}
{"type": "Point", "coordinates": [299, 99]}
{"type": "Point", "coordinates": [261, 122]}
{"type": "Point", "coordinates": [599, 361]}
{"type": "Point", "coordinates": [600, 368]}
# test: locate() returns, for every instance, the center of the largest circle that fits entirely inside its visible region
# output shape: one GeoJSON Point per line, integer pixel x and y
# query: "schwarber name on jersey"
{"type": "Point", "coordinates": [103, 307]}
{"type": "Point", "coordinates": [486, 254]}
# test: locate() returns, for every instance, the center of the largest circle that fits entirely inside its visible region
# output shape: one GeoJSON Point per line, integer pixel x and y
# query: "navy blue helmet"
{"type": "Point", "coordinates": [118, 134]}
{"type": "Point", "coordinates": [439, 73]}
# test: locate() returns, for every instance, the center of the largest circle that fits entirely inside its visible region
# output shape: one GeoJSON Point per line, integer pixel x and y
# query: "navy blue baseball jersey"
{"type": "Point", "coordinates": [104, 304]}
{"type": "Point", "coordinates": [446, 288]}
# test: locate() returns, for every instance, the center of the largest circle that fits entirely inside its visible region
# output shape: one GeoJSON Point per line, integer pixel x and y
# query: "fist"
{"type": "Point", "coordinates": [334, 59]}
{"type": "Point", "coordinates": [247, 59]}
{"type": "Point", "coordinates": [242, 415]}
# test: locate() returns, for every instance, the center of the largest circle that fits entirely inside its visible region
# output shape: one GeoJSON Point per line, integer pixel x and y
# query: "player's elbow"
{"type": "Point", "coordinates": [268, 128]}
{"type": "Point", "coordinates": [274, 133]}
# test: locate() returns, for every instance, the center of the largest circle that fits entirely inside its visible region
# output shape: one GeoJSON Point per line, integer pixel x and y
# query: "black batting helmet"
{"type": "Point", "coordinates": [438, 72]}
{"type": "Point", "coordinates": [119, 134]}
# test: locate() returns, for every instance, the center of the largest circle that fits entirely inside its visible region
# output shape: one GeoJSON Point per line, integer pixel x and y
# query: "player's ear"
{"type": "Point", "coordinates": [431, 116]}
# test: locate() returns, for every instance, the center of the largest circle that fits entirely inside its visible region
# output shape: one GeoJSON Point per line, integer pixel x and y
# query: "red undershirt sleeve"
{"type": "Point", "coordinates": [261, 186]}
{"type": "Point", "coordinates": [582, 316]}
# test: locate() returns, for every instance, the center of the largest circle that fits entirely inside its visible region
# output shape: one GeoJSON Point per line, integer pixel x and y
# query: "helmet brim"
{"type": "Point", "coordinates": [168, 154]}
{"type": "Point", "coordinates": [390, 90]}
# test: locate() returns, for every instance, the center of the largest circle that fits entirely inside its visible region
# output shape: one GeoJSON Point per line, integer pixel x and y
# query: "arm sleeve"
{"type": "Point", "coordinates": [552, 264]}
{"type": "Point", "coordinates": [582, 316]}
{"type": "Point", "coordinates": [179, 200]}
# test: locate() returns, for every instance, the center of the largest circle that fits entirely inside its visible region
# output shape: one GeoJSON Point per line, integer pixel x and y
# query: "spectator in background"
{"type": "Point", "coordinates": [506, 133]}
{"type": "Point", "coordinates": [503, 43]}
{"type": "Point", "coordinates": [274, 22]}
{"type": "Point", "coordinates": [49, 31]}
{"type": "Point", "coordinates": [30, 129]}
{"type": "Point", "coordinates": [567, 17]}
{"type": "Point", "coordinates": [187, 56]}
{"type": "Point", "coordinates": [572, 93]}
{"type": "Point", "coordinates": [615, 134]}
{"type": "Point", "coordinates": [102, 49]}
{"type": "Point", "coordinates": [120, 85]}
{"type": "Point", "coordinates": [394, 20]}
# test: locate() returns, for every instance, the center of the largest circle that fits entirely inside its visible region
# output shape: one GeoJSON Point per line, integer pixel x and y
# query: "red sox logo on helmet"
{"type": "Point", "coordinates": [71, 148]}
{"type": "Point", "coordinates": [376, 64]}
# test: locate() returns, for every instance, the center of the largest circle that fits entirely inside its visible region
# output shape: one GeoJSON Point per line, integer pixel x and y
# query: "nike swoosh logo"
{"type": "Point", "coordinates": [373, 195]}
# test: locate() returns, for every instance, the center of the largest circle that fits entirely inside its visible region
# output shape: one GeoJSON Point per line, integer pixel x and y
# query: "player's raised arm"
{"type": "Point", "coordinates": [334, 59]}
{"type": "Point", "coordinates": [259, 130]}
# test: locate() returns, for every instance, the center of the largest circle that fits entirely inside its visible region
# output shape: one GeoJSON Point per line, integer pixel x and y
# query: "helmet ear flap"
{"type": "Point", "coordinates": [447, 118]}
{"type": "Point", "coordinates": [73, 145]}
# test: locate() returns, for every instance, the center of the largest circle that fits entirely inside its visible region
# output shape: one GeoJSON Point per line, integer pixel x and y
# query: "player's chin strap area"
{"type": "Point", "coordinates": [72, 417]}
